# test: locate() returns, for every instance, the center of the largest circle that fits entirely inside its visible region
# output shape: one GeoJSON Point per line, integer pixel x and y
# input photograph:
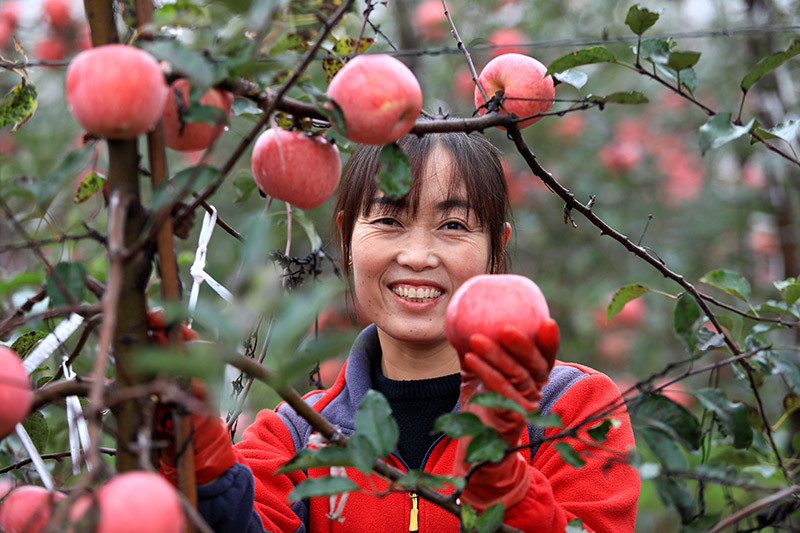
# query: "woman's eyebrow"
{"type": "Point", "coordinates": [453, 203]}
{"type": "Point", "coordinates": [399, 203]}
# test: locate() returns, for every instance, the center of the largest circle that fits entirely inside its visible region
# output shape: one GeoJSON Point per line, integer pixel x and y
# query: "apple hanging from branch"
{"type": "Point", "coordinates": [192, 136]}
{"type": "Point", "coordinates": [27, 509]}
{"type": "Point", "coordinates": [525, 88]}
{"type": "Point", "coordinates": [16, 395]}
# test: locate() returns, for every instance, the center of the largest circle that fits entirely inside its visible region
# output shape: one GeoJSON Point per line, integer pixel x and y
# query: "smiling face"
{"type": "Point", "coordinates": [407, 263]}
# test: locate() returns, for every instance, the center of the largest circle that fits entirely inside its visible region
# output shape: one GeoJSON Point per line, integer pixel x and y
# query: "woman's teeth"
{"type": "Point", "coordinates": [417, 294]}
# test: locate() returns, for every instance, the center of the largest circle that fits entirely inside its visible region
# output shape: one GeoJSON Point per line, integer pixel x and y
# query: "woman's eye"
{"type": "Point", "coordinates": [454, 225]}
{"type": "Point", "coordinates": [387, 221]}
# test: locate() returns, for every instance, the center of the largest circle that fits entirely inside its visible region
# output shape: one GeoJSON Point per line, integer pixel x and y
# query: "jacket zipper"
{"type": "Point", "coordinates": [413, 522]}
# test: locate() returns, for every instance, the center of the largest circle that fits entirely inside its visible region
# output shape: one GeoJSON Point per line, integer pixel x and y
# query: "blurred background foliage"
{"type": "Point", "coordinates": [734, 207]}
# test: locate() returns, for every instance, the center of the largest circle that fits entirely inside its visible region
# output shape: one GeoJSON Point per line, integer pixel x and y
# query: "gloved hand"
{"type": "Point", "coordinates": [518, 369]}
{"type": "Point", "coordinates": [213, 451]}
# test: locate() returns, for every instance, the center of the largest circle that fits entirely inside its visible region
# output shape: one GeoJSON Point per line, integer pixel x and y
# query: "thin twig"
{"type": "Point", "coordinates": [755, 506]}
{"type": "Point", "coordinates": [92, 234]}
{"type": "Point", "coordinates": [367, 12]}
{"type": "Point", "coordinates": [57, 455]}
{"type": "Point", "coordinates": [463, 48]}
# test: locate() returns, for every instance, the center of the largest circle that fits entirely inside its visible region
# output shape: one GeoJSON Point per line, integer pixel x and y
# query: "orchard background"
{"type": "Point", "coordinates": [674, 125]}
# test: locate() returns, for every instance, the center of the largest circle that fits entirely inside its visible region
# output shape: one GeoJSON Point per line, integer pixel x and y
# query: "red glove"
{"type": "Point", "coordinates": [213, 451]}
{"type": "Point", "coordinates": [518, 369]}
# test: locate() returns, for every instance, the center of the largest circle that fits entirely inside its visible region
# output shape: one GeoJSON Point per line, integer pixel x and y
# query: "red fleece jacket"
{"type": "Point", "coordinates": [603, 493]}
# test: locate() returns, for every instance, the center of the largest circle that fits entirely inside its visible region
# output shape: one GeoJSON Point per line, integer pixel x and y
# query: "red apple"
{"type": "Point", "coordinates": [571, 125]}
{"type": "Point", "coordinates": [486, 302]}
{"type": "Point", "coordinates": [518, 76]}
{"type": "Point", "coordinates": [194, 135]}
{"type": "Point", "coordinates": [10, 11]}
{"type": "Point", "coordinates": [57, 13]}
{"type": "Point", "coordinates": [116, 91]}
{"type": "Point", "coordinates": [16, 395]}
{"type": "Point", "coordinates": [379, 96]}
{"type": "Point", "coordinates": [6, 29]}
{"type": "Point", "coordinates": [430, 20]}
{"type": "Point", "coordinates": [463, 85]}
{"type": "Point", "coordinates": [296, 168]}
{"type": "Point", "coordinates": [620, 156]}
{"type": "Point", "coordinates": [134, 502]}
{"type": "Point", "coordinates": [27, 509]}
{"type": "Point", "coordinates": [50, 48]}
{"type": "Point", "coordinates": [506, 41]}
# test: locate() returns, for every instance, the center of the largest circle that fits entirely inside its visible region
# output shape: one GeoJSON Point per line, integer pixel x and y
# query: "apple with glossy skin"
{"type": "Point", "coordinates": [296, 168]}
{"type": "Point", "coordinates": [57, 13]}
{"type": "Point", "coordinates": [486, 302]}
{"type": "Point", "coordinates": [506, 41]}
{"type": "Point", "coordinates": [518, 76]}
{"type": "Point", "coordinates": [116, 91]}
{"type": "Point", "coordinates": [194, 135]}
{"type": "Point", "coordinates": [379, 96]}
{"type": "Point", "coordinates": [134, 502]}
{"type": "Point", "coordinates": [16, 395]}
{"type": "Point", "coordinates": [27, 509]}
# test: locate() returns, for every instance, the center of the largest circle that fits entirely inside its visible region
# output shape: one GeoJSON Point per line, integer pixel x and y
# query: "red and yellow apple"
{"type": "Point", "coordinates": [295, 167]}
{"type": "Point", "coordinates": [134, 502]}
{"type": "Point", "coordinates": [192, 136]}
{"type": "Point", "coordinates": [506, 41]}
{"type": "Point", "coordinates": [116, 91]}
{"type": "Point", "coordinates": [16, 395]}
{"type": "Point", "coordinates": [27, 509]}
{"type": "Point", "coordinates": [523, 83]}
{"type": "Point", "coordinates": [379, 96]}
{"type": "Point", "coordinates": [486, 302]}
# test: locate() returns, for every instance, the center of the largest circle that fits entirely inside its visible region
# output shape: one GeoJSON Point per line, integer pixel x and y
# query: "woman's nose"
{"type": "Point", "coordinates": [418, 251]}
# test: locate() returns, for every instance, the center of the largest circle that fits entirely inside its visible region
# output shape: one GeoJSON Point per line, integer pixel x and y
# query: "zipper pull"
{"type": "Point", "coordinates": [413, 523]}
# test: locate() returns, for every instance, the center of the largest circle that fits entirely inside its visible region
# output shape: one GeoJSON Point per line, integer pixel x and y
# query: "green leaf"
{"type": "Point", "coordinates": [394, 178]}
{"type": "Point", "coordinates": [719, 130]}
{"type": "Point", "coordinates": [769, 63]}
{"type": "Point", "coordinates": [183, 59]}
{"type": "Point", "coordinates": [314, 240]}
{"type": "Point", "coordinates": [195, 178]}
{"type": "Point", "coordinates": [208, 114]}
{"type": "Point", "coordinates": [73, 278]}
{"type": "Point", "coordinates": [639, 19]}
{"type": "Point", "coordinates": [457, 425]}
{"type": "Point", "coordinates": [496, 401]}
{"type": "Point", "coordinates": [599, 433]}
{"type": "Point", "coordinates": [289, 41]}
{"type": "Point", "coordinates": [36, 426]}
{"type": "Point", "coordinates": [491, 519]}
{"type": "Point", "coordinates": [677, 497]}
{"type": "Point", "coordinates": [243, 106]}
{"type": "Point", "coordinates": [25, 342]}
{"type": "Point", "coordinates": [569, 454]}
{"type": "Point", "coordinates": [21, 280]}
{"type": "Point", "coordinates": [682, 60]}
{"type": "Point", "coordinates": [374, 420]}
{"type": "Point", "coordinates": [362, 452]}
{"type": "Point", "coordinates": [182, 14]}
{"type": "Point", "coordinates": [322, 486]}
{"type": "Point", "coordinates": [573, 77]}
{"type": "Point", "coordinates": [673, 416]}
{"type": "Point", "coordinates": [729, 281]}
{"type": "Point", "coordinates": [92, 183]}
{"type": "Point", "coordinates": [314, 458]}
{"type": "Point", "coordinates": [623, 296]}
{"type": "Point", "coordinates": [19, 105]}
{"type": "Point", "coordinates": [588, 56]}
{"type": "Point", "coordinates": [418, 478]}
{"type": "Point", "coordinates": [469, 518]}
{"type": "Point", "coordinates": [732, 415]}
{"type": "Point", "coordinates": [244, 186]}
{"type": "Point", "coordinates": [655, 51]}
{"type": "Point", "coordinates": [550, 420]}
{"type": "Point", "coordinates": [334, 112]}
{"type": "Point", "coordinates": [487, 446]}
{"type": "Point", "coordinates": [72, 165]}
{"type": "Point", "coordinates": [684, 318]}
{"type": "Point", "coordinates": [627, 97]}
{"type": "Point", "coordinates": [201, 360]}
{"type": "Point", "coordinates": [664, 447]}
{"type": "Point", "coordinates": [790, 289]}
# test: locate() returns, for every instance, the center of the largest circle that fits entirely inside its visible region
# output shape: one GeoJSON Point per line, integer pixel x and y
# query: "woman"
{"type": "Point", "coordinates": [405, 258]}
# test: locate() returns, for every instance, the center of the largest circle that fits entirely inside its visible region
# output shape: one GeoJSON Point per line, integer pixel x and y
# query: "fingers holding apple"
{"type": "Point", "coordinates": [521, 81]}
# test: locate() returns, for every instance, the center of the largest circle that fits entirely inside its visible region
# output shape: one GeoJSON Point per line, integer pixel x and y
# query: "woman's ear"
{"type": "Point", "coordinates": [506, 234]}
